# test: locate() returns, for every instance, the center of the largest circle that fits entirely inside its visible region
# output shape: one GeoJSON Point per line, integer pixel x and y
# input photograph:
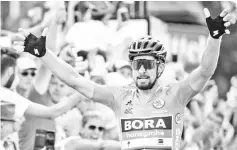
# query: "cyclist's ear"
{"type": "Point", "coordinates": [160, 68]}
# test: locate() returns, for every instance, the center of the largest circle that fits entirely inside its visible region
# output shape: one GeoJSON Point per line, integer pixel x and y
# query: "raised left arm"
{"type": "Point", "coordinates": [199, 77]}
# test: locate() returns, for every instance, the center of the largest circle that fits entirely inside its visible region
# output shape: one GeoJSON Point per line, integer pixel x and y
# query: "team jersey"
{"type": "Point", "coordinates": [153, 124]}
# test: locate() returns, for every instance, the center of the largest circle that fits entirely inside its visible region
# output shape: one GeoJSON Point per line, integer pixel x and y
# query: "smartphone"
{"type": "Point", "coordinates": [44, 138]}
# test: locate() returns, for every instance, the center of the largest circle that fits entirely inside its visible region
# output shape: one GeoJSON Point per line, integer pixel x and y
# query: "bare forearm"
{"type": "Point", "coordinates": [199, 77]}
{"type": "Point", "coordinates": [59, 68]}
{"type": "Point", "coordinates": [51, 112]}
{"type": "Point", "coordinates": [67, 74]}
{"type": "Point", "coordinates": [210, 56]}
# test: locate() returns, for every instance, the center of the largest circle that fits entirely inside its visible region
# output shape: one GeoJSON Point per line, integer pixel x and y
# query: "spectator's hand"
{"type": "Point", "coordinates": [68, 56]}
{"type": "Point", "coordinates": [24, 41]}
{"type": "Point", "coordinates": [218, 26]}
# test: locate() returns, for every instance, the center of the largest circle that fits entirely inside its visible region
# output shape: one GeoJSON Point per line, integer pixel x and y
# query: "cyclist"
{"type": "Point", "coordinates": [151, 115]}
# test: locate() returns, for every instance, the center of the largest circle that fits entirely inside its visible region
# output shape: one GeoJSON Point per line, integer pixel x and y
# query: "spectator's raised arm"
{"type": "Point", "coordinates": [55, 110]}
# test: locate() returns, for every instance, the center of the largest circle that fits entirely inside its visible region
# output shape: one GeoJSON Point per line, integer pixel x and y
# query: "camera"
{"type": "Point", "coordinates": [44, 138]}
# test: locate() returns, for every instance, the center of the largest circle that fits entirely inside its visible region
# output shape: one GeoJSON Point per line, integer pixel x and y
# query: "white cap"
{"type": "Point", "coordinates": [24, 63]}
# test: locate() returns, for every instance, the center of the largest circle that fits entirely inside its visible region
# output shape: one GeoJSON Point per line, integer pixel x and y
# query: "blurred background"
{"type": "Point", "coordinates": [93, 37]}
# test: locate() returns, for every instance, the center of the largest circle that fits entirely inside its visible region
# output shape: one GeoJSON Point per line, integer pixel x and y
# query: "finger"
{"type": "Point", "coordinates": [227, 17]}
{"type": "Point", "coordinates": [227, 24]}
{"type": "Point", "coordinates": [227, 31]}
{"type": "Point", "coordinates": [224, 13]}
{"type": "Point", "coordinates": [206, 12]}
{"type": "Point", "coordinates": [25, 32]}
{"type": "Point", "coordinates": [18, 37]}
{"type": "Point", "coordinates": [45, 31]}
{"type": "Point", "coordinates": [232, 19]}
{"type": "Point", "coordinates": [18, 48]}
{"type": "Point", "coordinates": [19, 43]}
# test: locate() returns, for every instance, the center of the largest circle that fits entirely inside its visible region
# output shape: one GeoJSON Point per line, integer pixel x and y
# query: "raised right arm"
{"type": "Point", "coordinates": [66, 73]}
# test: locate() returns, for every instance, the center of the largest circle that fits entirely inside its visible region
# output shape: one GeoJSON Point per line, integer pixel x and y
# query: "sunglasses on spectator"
{"type": "Point", "coordinates": [26, 73]}
{"type": "Point", "coordinates": [92, 127]}
{"type": "Point", "coordinates": [215, 119]}
{"type": "Point", "coordinates": [147, 64]}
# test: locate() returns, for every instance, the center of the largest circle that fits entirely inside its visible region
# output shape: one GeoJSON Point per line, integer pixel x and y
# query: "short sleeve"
{"type": "Point", "coordinates": [108, 95]}
{"type": "Point", "coordinates": [186, 93]}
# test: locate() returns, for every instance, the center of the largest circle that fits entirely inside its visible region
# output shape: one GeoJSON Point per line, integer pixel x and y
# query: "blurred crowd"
{"type": "Point", "coordinates": [80, 34]}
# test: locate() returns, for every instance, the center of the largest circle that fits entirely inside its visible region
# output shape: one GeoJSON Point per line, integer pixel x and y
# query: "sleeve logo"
{"type": "Point", "coordinates": [178, 118]}
{"type": "Point", "coordinates": [129, 103]}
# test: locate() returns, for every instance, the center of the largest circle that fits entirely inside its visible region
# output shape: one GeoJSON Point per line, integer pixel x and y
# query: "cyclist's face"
{"type": "Point", "coordinates": [145, 78]}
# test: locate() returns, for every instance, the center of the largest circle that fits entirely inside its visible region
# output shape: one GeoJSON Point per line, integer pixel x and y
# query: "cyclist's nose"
{"type": "Point", "coordinates": [142, 69]}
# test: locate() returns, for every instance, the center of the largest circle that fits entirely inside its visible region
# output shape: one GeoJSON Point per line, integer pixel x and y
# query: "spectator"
{"type": "Point", "coordinates": [56, 92]}
{"type": "Point", "coordinates": [209, 135]}
{"type": "Point", "coordinates": [9, 127]}
{"type": "Point", "coordinates": [124, 68]}
{"type": "Point", "coordinates": [24, 107]}
{"type": "Point", "coordinates": [26, 72]}
{"type": "Point", "coordinates": [93, 124]}
{"type": "Point", "coordinates": [91, 135]}
{"type": "Point", "coordinates": [79, 34]}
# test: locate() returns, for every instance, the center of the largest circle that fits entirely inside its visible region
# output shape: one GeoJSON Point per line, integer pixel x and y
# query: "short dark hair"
{"type": "Point", "coordinates": [8, 59]}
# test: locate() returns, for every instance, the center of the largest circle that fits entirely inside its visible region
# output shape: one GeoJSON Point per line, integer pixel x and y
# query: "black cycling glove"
{"type": "Point", "coordinates": [216, 26]}
{"type": "Point", "coordinates": [35, 46]}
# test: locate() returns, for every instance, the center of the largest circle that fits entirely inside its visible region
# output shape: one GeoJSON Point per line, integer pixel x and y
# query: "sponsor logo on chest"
{"type": "Point", "coordinates": [146, 123]}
